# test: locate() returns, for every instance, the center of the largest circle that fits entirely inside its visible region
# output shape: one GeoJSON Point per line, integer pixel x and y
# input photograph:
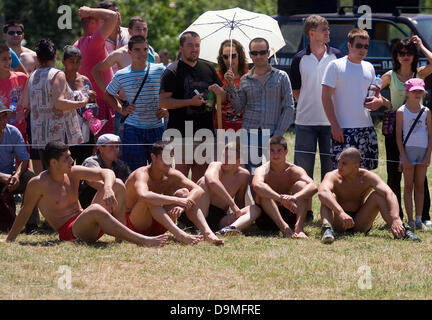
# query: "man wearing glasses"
{"type": "Point", "coordinates": [266, 97]}
{"type": "Point", "coordinates": [344, 97]}
{"type": "Point", "coordinates": [13, 34]}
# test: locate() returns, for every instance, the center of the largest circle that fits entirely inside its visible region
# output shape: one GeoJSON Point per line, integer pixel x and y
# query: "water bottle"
{"type": "Point", "coordinates": [375, 86]}
{"type": "Point", "coordinates": [92, 106]}
{"type": "Point", "coordinates": [13, 106]}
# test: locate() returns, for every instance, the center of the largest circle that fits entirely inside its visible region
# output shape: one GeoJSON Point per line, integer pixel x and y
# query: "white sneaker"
{"type": "Point", "coordinates": [420, 226]}
{"type": "Point", "coordinates": [428, 224]}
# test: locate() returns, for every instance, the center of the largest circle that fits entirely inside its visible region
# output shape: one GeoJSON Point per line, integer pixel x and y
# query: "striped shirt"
{"type": "Point", "coordinates": [148, 100]}
{"type": "Point", "coordinates": [268, 105]}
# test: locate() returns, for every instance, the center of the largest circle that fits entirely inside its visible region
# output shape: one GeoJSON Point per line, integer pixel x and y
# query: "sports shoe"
{"type": "Point", "coordinates": [409, 235]}
{"type": "Point", "coordinates": [328, 234]}
{"type": "Point", "coordinates": [428, 224]}
{"type": "Point", "coordinates": [411, 224]}
{"type": "Point", "coordinates": [228, 231]}
{"type": "Point", "coordinates": [420, 226]}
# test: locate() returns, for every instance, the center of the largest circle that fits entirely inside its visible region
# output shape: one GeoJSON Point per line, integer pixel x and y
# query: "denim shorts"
{"type": "Point", "coordinates": [415, 155]}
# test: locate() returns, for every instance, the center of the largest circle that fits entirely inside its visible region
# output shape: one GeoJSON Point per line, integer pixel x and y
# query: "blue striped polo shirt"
{"type": "Point", "coordinates": [148, 100]}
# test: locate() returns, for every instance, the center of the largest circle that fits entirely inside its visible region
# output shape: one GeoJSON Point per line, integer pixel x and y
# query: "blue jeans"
{"type": "Point", "coordinates": [256, 150]}
{"type": "Point", "coordinates": [137, 145]}
{"type": "Point", "coordinates": [306, 141]}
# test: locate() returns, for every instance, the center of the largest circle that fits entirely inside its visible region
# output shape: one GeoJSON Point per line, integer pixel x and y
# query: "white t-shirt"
{"type": "Point", "coordinates": [351, 82]}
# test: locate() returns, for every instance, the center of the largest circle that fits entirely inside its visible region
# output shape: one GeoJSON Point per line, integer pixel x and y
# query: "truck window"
{"type": "Point", "coordinates": [292, 32]}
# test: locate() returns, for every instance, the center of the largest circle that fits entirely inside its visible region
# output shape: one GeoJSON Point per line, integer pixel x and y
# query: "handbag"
{"type": "Point", "coordinates": [389, 123]}
{"type": "Point", "coordinates": [7, 211]}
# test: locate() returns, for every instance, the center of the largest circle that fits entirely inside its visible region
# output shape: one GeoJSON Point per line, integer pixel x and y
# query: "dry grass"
{"type": "Point", "coordinates": [252, 266]}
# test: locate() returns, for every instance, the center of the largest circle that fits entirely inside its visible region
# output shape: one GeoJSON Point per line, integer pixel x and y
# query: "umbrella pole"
{"type": "Point", "coordinates": [230, 56]}
{"type": "Point", "coordinates": [219, 110]}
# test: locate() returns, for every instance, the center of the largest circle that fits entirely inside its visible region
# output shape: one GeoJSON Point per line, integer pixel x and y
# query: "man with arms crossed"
{"type": "Point", "coordinates": [346, 206]}
{"type": "Point", "coordinates": [279, 181]}
{"type": "Point", "coordinates": [225, 184]}
{"type": "Point", "coordinates": [55, 192]}
{"type": "Point", "coordinates": [156, 195]}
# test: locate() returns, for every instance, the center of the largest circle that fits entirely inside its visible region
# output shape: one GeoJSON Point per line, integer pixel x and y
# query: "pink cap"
{"type": "Point", "coordinates": [415, 84]}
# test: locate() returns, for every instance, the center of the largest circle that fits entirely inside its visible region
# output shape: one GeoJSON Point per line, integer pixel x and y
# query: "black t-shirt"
{"type": "Point", "coordinates": [182, 79]}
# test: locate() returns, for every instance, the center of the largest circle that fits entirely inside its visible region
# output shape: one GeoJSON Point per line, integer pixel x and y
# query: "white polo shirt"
{"type": "Point", "coordinates": [306, 74]}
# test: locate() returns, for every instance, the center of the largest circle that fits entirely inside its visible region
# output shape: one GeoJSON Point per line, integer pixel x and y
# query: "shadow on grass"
{"type": "Point", "coordinates": [46, 243]}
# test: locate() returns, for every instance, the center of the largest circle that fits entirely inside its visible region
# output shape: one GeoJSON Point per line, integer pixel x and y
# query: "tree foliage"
{"type": "Point", "coordinates": [166, 18]}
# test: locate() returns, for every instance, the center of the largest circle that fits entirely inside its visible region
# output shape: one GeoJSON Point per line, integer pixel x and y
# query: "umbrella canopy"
{"type": "Point", "coordinates": [214, 27]}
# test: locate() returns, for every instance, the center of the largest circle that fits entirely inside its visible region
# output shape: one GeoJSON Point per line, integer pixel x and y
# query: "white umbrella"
{"type": "Point", "coordinates": [214, 27]}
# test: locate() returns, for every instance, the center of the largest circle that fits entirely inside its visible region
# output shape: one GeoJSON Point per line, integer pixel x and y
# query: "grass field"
{"type": "Point", "coordinates": [251, 266]}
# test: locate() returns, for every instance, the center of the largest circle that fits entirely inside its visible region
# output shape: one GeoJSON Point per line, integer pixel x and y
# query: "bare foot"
{"type": "Point", "coordinates": [214, 239]}
{"type": "Point", "coordinates": [287, 233]}
{"type": "Point", "coordinates": [186, 238]}
{"type": "Point", "coordinates": [299, 235]}
{"type": "Point", "coordinates": [157, 241]}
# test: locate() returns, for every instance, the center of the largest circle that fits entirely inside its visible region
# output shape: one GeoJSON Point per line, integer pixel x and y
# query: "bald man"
{"type": "Point", "coordinates": [347, 203]}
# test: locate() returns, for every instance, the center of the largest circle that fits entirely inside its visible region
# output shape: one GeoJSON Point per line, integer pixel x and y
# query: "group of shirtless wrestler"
{"type": "Point", "coordinates": [155, 196]}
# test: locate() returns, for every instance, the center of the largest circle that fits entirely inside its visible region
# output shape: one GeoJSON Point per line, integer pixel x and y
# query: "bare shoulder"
{"type": "Point", "coordinates": [244, 173]}
{"type": "Point", "coordinates": [263, 170]}
{"type": "Point", "coordinates": [369, 176]}
{"type": "Point", "coordinates": [331, 178]}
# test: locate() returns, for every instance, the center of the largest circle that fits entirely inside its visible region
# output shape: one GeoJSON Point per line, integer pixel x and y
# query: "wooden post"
{"type": "Point", "coordinates": [219, 110]}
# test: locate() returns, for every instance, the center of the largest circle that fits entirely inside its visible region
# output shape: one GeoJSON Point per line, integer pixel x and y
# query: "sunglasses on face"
{"type": "Point", "coordinates": [361, 46]}
{"type": "Point", "coordinates": [226, 56]}
{"type": "Point", "coordinates": [11, 33]}
{"type": "Point", "coordinates": [261, 52]}
{"type": "Point", "coordinates": [405, 53]}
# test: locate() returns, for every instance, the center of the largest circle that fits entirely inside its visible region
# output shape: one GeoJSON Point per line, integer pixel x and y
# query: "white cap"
{"type": "Point", "coordinates": [107, 138]}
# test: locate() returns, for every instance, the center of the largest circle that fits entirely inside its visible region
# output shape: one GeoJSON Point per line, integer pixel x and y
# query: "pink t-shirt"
{"type": "Point", "coordinates": [93, 51]}
{"type": "Point", "coordinates": [13, 87]}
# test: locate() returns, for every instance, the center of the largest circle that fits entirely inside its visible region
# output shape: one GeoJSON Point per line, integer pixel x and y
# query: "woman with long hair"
{"type": "Point", "coordinates": [405, 60]}
{"type": "Point", "coordinates": [239, 66]}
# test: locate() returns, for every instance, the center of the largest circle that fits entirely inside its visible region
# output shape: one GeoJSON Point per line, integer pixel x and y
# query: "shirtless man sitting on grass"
{"type": "Point", "coordinates": [55, 192]}
{"type": "Point", "coordinates": [282, 191]}
{"type": "Point", "coordinates": [347, 203]}
{"type": "Point", "coordinates": [156, 195]}
{"type": "Point", "coordinates": [225, 185]}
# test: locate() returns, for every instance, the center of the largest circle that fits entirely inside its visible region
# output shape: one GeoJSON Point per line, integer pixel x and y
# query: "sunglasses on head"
{"type": "Point", "coordinates": [226, 56]}
{"type": "Point", "coordinates": [261, 52]}
{"type": "Point", "coordinates": [405, 53]}
{"type": "Point", "coordinates": [361, 46]}
{"type": "Point", "coordinates": [11, 33]}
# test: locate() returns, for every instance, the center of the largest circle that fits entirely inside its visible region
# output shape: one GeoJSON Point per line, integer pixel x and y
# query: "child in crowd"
{"type": "Point", "coordinates": [414, 140]}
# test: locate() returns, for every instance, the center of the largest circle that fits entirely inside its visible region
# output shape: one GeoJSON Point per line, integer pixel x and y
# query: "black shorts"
{"type": "Point", "coordinates": [264, 222]}
{"type": "Point", "coordinates": [214, 217]}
